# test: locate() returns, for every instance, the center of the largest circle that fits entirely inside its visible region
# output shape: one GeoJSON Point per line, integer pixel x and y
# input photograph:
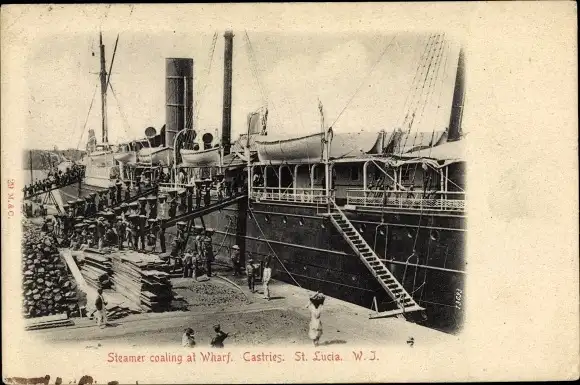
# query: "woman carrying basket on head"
{"type": "Point", "coordinates": [315, 307]}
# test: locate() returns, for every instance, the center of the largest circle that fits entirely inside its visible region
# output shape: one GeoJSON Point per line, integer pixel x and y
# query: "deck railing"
{"type": "Point", "coordinates": [412, 200]}
{"type": "Point", "coordinates": [172, 186]}
{"type": "Point", "coordinates": [289, 194]}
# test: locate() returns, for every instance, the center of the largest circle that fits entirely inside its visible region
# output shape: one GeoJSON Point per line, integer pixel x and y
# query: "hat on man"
{"type": "Point", "coordinates": [181, 223]}
{"type": "Point", "coordinates": [133, 204]}
{"type": "Point", "coordinates": [236, 247]}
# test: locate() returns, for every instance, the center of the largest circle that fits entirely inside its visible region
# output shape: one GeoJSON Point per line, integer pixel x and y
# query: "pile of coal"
{"type": "Point", "coordinates": [48, 289]}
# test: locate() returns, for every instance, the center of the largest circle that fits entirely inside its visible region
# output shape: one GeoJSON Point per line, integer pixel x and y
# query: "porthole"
{"type": "Point", "coordinates": [434, 235]}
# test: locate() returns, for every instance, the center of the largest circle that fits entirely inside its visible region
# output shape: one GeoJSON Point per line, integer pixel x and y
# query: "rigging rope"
{"type": "Point", "coordinates": [443, 78]}
{"type": "Point", "coordinates": [417, 95]}
{"type": "Point", "coordinates": [415, 82]}
{"type": "Point", "coordinates": [199, 97]}
{"type": "Point", "coordinates": [254, 66]}
{"type": "Point", "coordinates": [271, 248]}
{"type": "Point", "coordinates": [409, 92]}
{"type": "Point", "coordinates": [424, 81]}
{"type": "Point", "coordinates": [433, 78]}
{"type": "Point", "coordinates": [364, 80]}
{"type": "Point", "coordinates": [87, 119]}
{"type": "Point", "coordinates": [121, 111]}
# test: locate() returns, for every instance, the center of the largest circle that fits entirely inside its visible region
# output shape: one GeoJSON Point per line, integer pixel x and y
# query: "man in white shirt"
{"type": "Point", "coordinates": [267, 276]}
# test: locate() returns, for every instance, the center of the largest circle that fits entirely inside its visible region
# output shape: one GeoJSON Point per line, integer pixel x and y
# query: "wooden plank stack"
{"type": "Point", "coordinates": [97, 268]}
{"type": "Point", "coordinates": [46, 322]}
{"type": "Point", "coordinates": [141, 279]}
{"type": "Point", "coordinates": [48, 289]}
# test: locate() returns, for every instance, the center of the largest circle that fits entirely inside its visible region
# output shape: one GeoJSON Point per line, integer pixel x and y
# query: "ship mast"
{"type": "Point", "coordinates": [103, 76]}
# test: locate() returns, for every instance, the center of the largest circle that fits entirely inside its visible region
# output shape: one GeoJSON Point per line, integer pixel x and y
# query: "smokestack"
{"type": "Point", "coordinates": [227, 112]}
{"type": "Point", "coordinates": [457, 104]}
{"type": "Point", "coordinates": [179, 96]}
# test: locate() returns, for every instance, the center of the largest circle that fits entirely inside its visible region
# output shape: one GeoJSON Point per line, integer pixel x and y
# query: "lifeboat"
{"type": "Point", "coordinates": [310, 149]}
{"type": "Point", "coordinates": [203, 158]}
{"type": "Point", "coordinates": [126, 156]}
{"type": "Point", "coordinates": [156, 155]}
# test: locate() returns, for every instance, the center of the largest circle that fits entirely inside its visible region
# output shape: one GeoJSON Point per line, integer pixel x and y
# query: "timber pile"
{"type": "Point", "coordinates": [97, 268]}
{"type": "Point", "coordinates": [47, 322]}
{"type": "Point", "coordinates": [48, 289]}
{"type": "Point", "coordinates": [141, 279]}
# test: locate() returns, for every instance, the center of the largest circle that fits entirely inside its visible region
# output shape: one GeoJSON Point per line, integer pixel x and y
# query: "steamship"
{"type": "Point", "coordinates": [373, 218]}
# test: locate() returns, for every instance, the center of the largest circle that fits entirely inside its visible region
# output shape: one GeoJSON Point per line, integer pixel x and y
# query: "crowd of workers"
{"type": "Point", "coordinates": [55, 179]}
{"type": "Point", "coordinates": [105, 219]}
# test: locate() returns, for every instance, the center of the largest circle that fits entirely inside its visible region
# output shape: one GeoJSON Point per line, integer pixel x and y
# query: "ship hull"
{"type": "Point", "coordinates": [318, 258]}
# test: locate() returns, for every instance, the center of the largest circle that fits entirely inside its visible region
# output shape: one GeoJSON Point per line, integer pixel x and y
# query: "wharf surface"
{"type": "Point", "coordinates": [282, 320]}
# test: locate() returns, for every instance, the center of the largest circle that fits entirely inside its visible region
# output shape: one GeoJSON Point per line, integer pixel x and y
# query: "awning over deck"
{"type": "Point", "coordinates": [415, 141]}
{"type": "Point", "coordinates": [446, 151]}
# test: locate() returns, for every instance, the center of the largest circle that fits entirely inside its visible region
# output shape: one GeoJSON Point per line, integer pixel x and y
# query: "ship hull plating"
{"type": "Point", "coordinates": [315, 255]}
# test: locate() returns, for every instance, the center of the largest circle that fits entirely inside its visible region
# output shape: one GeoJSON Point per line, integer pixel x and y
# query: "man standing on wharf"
{"type": "Point", "coordinates": [101, 310]}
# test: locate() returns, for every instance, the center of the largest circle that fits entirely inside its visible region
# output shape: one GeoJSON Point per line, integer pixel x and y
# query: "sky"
{"type": "Point", "coordinates": [294, 70]}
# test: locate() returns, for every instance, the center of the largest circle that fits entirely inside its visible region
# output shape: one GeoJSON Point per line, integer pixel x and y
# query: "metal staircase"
{"type": "Point", "coordinates": [394, 289]}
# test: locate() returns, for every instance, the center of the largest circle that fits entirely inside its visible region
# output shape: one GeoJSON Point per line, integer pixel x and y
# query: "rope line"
{"type": "Point", "coordinates": [88, 114]}
{"type": "Point", "coordinates": [271, 248]}
{"type": "Point", "coordinates": [434, 76]}
{"type": "Point", "coordinates": [125, 120]}
{"type": "Point", "coordinates": [409, 92]}
{"type": "Point", "coordinates": [364, 80]}
{"type": "Point", "coordinates": [199, 97]}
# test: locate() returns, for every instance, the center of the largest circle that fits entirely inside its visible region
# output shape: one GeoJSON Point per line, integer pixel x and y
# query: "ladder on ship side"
{"type": "Point", "coordinates": [371, 260]}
